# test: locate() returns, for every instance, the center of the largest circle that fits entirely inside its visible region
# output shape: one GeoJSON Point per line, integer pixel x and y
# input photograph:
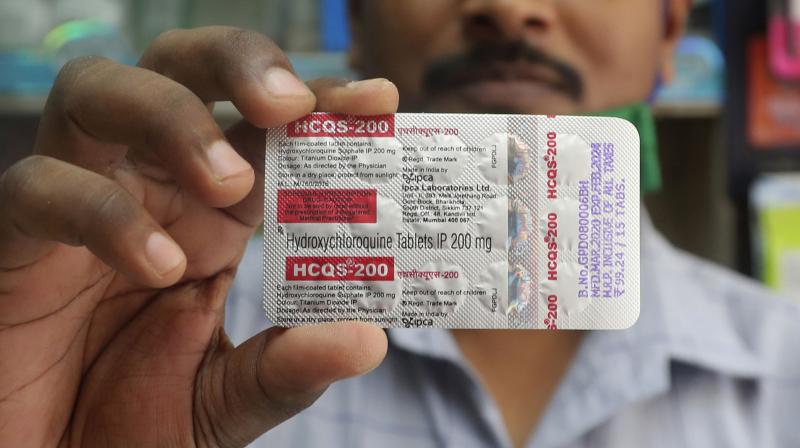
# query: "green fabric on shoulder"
{"type": "Point", "coordinates": [642, 118]}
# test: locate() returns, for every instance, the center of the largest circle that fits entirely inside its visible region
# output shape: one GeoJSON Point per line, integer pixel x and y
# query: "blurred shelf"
{"type": "Point", "coordinates": [21, 104]}
{"type": "Point", "coordinates": [321, 64]}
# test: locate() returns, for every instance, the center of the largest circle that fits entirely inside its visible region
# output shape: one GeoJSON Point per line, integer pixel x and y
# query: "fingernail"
{"type": "Point", "coordinates": [225, 162]}
{"type": "Point", "coordinates": [280, 83]}
{"type": "Point", "coordinates": [162, 253]}
{"type": "Point", "coordinates": [366, 83]}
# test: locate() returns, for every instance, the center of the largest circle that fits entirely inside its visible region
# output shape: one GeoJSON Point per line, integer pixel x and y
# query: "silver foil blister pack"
{"type": "Point", "coordinates": [453, 221]}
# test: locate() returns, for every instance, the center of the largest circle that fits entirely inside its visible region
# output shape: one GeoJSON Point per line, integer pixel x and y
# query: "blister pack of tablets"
{"type": "Point", "coordinates": [453, 221]}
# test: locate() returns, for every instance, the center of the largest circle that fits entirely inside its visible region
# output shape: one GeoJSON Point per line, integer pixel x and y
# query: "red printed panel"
{"type": "Point", "coordinates": [375, 269]}
{"type": "Point", "coordinates": [338, 125]}
{"type": "Point", "coordinates": [327, 206]}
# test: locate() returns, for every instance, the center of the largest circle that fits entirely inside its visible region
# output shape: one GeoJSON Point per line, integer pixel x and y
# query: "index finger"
{"type": "Point", "coordinates": [222, 63]}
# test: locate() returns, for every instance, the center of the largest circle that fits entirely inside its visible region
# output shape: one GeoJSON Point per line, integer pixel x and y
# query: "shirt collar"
{"type": "Point", "coordinates": [697, 323]}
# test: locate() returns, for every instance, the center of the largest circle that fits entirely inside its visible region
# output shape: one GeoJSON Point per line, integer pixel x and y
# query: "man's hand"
{"type": "Point", "coordinates": [119, 240]}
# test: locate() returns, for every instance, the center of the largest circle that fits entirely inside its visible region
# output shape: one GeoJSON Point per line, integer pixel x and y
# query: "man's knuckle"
{"type": "Point", "coordinates": [165, 37]}
{"type": "Point", "coordinates": [159, 48]}
{"type": "Point", "coordinates": [75, 82]}
{"type": "Point", "coordinates": [112, 206]}
{"type": "Point", "coordinates": [244, 40]}
{"type": "Point", "coordinates": [174, 104]}
{"type": "Point", "coordinates": [175, 98]}
{"type": "Point", "coordinates": [15, 182]}
{"type": "Point", "coordinates": [75, 69]}
{"type": "Point", "coordinates": [254, 47]}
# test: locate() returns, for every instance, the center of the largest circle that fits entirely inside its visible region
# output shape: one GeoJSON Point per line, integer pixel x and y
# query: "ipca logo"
{"type": "Point", "coordinates": [417, 322]}
{"type": "Point", "coordinates": [416, 178]}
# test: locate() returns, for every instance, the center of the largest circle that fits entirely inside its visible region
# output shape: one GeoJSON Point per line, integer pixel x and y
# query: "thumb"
{"type": "Point", "coordinates": [277, 374]}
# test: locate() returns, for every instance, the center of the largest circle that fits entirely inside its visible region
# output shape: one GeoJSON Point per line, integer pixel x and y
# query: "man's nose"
{"type": "Point", "coordinates": [508, 20]}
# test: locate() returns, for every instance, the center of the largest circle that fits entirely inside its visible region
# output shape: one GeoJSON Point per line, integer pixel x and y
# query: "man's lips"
{"type": "Point", "coordinates": [529, 70]}
{"type": "Point", "coordinates": [516, 73]}
{"type": "Point", "coordinates": [516, 95]}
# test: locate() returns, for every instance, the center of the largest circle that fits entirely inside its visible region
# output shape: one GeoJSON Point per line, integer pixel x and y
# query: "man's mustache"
{"type": "Point", "coordinates": [454, 71]}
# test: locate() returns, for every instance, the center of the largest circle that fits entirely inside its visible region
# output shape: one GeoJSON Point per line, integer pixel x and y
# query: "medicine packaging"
{"type": "Point", "coordinates": [453, 221]}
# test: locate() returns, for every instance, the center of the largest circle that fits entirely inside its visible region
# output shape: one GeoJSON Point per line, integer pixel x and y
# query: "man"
{"type": "Point", "coordinates": [120, 238]}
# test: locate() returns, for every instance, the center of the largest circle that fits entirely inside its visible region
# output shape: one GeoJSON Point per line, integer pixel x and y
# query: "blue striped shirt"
{"type": "Point", "coordinates": [712, 362]}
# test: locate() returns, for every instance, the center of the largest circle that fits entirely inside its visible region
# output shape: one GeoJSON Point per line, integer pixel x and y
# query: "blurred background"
{"type": "Point", "coordinates": [728, 125]}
